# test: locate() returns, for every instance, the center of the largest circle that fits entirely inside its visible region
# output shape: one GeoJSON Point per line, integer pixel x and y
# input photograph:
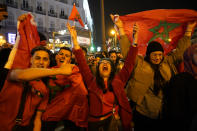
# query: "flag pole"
{"type": "Point", "coordinates": [103, 25]}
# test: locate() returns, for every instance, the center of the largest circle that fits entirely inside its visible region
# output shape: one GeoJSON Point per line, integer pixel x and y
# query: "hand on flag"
{"type": "Point", "coordinates": [165, 26]}
{"type": "Point", "coordinates": [190, 27]}
{"type": "Point", "coordinates": [116, 20]}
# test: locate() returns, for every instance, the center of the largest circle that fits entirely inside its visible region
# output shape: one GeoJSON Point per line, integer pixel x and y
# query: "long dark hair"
{"type": "Point", "coordinates": [100, 80]}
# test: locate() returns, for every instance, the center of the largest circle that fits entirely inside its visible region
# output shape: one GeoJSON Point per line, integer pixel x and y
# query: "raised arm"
{"type": "Point", "coordinates": [182, 45]}
{"type": "Point", "coordinates": [124, 41]}
{"type": "Point", "coordinates": [82, 64]}
{"type": "Point", "coordinates": [130, 60]}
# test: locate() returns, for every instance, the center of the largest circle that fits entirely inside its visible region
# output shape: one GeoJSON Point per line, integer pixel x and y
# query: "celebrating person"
{"type": "Point", "coordinates": [68, 97]}
{"type": "Point", "coordinates": [27, 83]}
{"type": "Point", "coordinates": [151, 73]}
{"type": "Point", "coordinates": [107, 99]}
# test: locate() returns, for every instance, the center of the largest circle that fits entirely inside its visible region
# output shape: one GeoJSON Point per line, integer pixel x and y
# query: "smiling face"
{"type": "Point", "coordinates": [156, 57]}
{"type": "Point", "coordinates": [63, 56]}
{"type": "Point", "coordinates": [105, 69]}
{"type": "Point", "coordinates": [40, 59]}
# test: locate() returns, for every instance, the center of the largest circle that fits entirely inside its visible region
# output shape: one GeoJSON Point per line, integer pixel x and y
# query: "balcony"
{"type": "Point", "coordinates": [27, 8]}
{"type": "Point", "coordinates": [42, 12]}
{"type": "Point", "coordinates": [52, 14]}
{"type": "Point", "coordinates": [63, 16]}
{"type": "Point", "coordinates": [12, 4]}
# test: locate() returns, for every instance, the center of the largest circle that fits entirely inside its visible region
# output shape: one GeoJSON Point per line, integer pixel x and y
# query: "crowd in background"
{"type": "Point", "coordinates": [105, 91]}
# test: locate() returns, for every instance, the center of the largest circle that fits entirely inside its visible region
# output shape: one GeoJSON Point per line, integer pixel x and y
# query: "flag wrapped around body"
{"type": "Point", "coordinates": [166, 26]}
{"type": "Point", "coordinates": [29, 39]}
{"type": "Point", "coordinates": [75, 16]}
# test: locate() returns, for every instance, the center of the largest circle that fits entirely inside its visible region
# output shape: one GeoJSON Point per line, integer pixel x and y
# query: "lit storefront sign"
{"type": "Point", "coordinates": [11, 38]}
{"type": "Point", "coordinates": [83, 40]}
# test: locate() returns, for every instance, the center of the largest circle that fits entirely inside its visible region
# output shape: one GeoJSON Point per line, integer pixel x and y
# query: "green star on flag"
{"type": "Point", "coordinates": [163, 34]}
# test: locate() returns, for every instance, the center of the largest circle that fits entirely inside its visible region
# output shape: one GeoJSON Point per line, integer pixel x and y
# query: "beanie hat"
{"type": "Point", "coordinates": [153, 46]}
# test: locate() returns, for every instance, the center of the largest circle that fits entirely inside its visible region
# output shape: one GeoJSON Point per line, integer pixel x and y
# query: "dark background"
{"type": "Point", "coordinates": [123, 7]}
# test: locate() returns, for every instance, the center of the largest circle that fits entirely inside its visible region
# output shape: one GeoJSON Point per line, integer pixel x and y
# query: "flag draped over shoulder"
{"type": "Point", "coordinates": [166, 26]}
{"type": "Point", "coordinates": [29, 39]}
{"type": "Point", "coordinates": [75, 15]}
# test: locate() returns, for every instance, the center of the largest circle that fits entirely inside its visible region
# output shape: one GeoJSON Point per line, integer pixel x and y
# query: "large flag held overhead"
{"type": "Point", "coordinates": [29, 38]}
{"type": "Point", "coordinates": [75, 15]}
{"type": "Point", "coordinates": [166, 26]}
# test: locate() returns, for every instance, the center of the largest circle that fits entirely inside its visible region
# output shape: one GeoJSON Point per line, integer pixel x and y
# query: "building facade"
{"type": "Point", "coordinates": [51, 17]}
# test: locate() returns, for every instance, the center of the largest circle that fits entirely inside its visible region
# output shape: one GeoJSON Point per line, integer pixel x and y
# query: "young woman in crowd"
{"type": "Point", "coordinates": [108, 104]}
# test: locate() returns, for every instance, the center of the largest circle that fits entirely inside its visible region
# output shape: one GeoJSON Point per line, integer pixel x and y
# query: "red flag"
{"type": "Point", "coordinates": [166, 26]}
{"type": "Point", "coordinates": [29, 39]}
{"type": "Point", "coordinates": [75, 15]}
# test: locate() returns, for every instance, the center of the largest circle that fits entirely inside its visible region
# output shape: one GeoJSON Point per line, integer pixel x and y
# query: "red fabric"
{"type": "Point", "coordinates": [29, 39]}
{"type": "Point", "coordinates": [108, 101]}
{"type": "Point", "coordinates": [180, 67]}
{"type": "Point", "coordinates": [10, 95]}
{"type": "Point", "coordinates": [118, 83]}
{"type": "Point", "coordinates": [175, 21]}
{"type": "Point", "coordinates": [71, 103]}
{"type": "Point", "coordinates": [75, 15]}
{"type": "Point", "coordinates": [10, 98]}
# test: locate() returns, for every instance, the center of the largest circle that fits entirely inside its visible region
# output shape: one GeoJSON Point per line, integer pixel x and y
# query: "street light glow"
{"type": "Point", "coordinates": [91, 48]}
{"type": "Point", "coordinates": [113, 32]}
{"type": "Point", "coordinates": [98, 49]}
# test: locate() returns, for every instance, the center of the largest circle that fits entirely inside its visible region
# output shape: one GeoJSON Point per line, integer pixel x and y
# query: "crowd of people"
{"type": "Point", "coordinates": [109, 91]}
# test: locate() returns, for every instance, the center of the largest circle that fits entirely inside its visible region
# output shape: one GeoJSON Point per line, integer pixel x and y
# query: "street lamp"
{"type": "Point", "coordinates": [113, 32]}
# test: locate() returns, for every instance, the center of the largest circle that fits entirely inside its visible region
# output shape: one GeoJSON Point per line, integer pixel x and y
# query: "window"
{"type": "Point", "coordinates": [25, 4]}
{"type": "Point", "coordinates": [10, 1]}
{"type": "Point", "coordinates": [39, 6]}
{"type": "Point", "coordinates": [51, 9]}
{"type": "Point", "coordinates": [62, 12]}
{"type": "Point", "coordinates": [76, 2]}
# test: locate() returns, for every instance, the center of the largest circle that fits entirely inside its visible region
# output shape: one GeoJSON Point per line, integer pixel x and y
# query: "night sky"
{"type": "Point", "coordinates": [123, 7]}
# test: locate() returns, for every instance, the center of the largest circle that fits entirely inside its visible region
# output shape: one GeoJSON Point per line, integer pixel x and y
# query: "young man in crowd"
{"type": "Point", "coordinates": [36, 94]}
{"type": "Point", "coordinates": [68, 97]}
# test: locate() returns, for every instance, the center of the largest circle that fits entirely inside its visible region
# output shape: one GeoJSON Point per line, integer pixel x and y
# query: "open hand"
{"type": "Point", "coordinates": [117, 21]}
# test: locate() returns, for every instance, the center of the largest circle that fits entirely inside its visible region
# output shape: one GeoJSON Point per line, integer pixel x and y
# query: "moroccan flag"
{"type": "Point", "coordinates": [75, 15]}
{"type": "Point", "coordinates": [166, 26]}
{"type": "Point", "coordinates": [29, 39]}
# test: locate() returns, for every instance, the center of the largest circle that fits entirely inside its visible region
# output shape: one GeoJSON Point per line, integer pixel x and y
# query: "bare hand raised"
{"type": "Point", "coordinates": [73, 34]}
